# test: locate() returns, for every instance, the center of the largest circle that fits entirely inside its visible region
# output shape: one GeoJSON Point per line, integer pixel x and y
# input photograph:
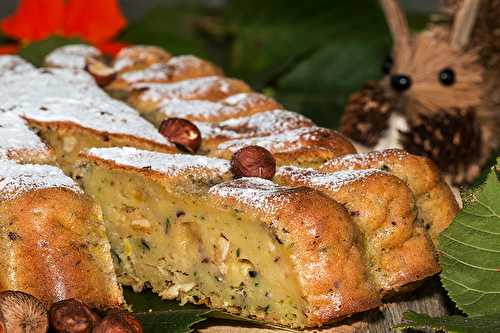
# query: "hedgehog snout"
{"type": "Point", "coordinates": [400, 82]}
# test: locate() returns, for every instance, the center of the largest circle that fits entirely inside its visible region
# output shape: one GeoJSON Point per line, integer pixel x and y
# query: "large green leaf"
{"type": "Point", "coordinates": [452, 324]}
{"type": "Point", "coordinates": [470, 252]}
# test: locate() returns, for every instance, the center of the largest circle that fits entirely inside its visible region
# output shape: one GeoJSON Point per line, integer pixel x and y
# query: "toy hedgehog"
{"type": "Point", "coordinates": [440, 96]}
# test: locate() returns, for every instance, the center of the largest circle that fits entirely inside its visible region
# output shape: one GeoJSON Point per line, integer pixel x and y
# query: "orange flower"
{"type": "Point", "coordinates": [93, 20]}
{"type": "Point", "coordinates": [9, 49]}
{"type": "Point", "coordinates": [35, 20]}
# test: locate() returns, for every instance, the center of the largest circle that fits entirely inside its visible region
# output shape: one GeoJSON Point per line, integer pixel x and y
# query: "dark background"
{"type": "Point", "coordinates": [309, 55]}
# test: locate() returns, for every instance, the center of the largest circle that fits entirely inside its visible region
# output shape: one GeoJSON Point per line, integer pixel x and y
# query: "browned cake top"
{"type": "Point", "coordinates": [139, 56]}
{"type": "Point", "coordinates": [209, 111]}
{"type": "Point", "coordinates": [290, 141]}
{"type": "Point", "coordinates": [330, 181]}
{"type": "Point", "coordinates": [72, 56]}
{"type": "Point", "coordinates": [210, 88]}
{"type": "Point", "coordinates": [259, 124]}
{"type": "Point", "coordinates": [172, 70]}
{"type": "Point", "coordinates": [167, 165]}
{"type": "Point", "coordinates": [17, 179]}
{"type": "Point", "coordinates": [366, 160]}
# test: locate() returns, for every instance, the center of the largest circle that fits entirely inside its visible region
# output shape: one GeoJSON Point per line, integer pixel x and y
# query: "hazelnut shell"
{"type": "Point", "coordinates": [181, 132]}
{"type": "Point", "coordinates": [22, 313]}
{"type": "Point", "coordinates": [119, 321]}
{"type": "Point", "coordinates": [253, 161]}
{"type": "Point", "coordinates": [72, 316]}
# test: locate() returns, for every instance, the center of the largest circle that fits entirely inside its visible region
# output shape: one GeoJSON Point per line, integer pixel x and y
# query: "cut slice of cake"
{"type": "Point", "coordinates": [259, 124]}
{"type": "Point", "coordinates": [137, 57]}
{"type": "Point", "coordinates": [19, 143]}
{"type": "Point", "coordinates": [398, 249]}
{"type": "Point", "coordinates": [69, 126]}
{"type": "Point", "coordinates": [175, 69]}
{"type": "Point", "coordinates": [435, 201]}
{"type": "Point", "coordinates": [289, 256]}
{"type": "Point", "coordinates": [147, 97]}
{"type": "Point", "coordinates": [72, 56]}
{"type": "Point", "coordinates": [52, 238]}
{"type": "Point", "coordinates": [235, 106]}
{"type": "Point", "coordinates": [307, 147]}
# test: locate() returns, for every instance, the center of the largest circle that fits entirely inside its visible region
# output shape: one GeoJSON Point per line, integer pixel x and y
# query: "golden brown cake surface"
{"type": "Point", "coordinates": [397, 248]}
{"type": "Point", "coordinates": [52, 238]}
{"type": "Point", "coordinates": [175, 69]}
{"type": "Point", "coordinates": [259, 124]}
{"type": "Point", "coordinates": [310, 146]}
{"type": "Point", "coordinates": [234, 106]}
{"type": "Point", "coordinates": [436, 203]}
{"type": "Point", "coordinates": [147, 97]}
{"type": "Point", "coordinates": [139, 56]}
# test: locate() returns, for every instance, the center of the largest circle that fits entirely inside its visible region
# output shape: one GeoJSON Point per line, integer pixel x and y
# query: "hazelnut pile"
{"type": "Point", "coordinates": [23, 313]}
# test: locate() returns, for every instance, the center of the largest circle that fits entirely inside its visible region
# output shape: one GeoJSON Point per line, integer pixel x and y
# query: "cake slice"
{"type": "Point", "coordinates": [72, 56]}
{"type": "Point", "coordinates": [137, 57]}
{"type": "Point", "coordinates": [175, 69]}
{"type": "Point", "coordinates": [235, 106]}
{"type": "Point", "coordinates": [69, 126]}
{"type": "Point", "coordinates": [288, 256]}
{"type": "Point", "coordinates": [148, 97]}
{"type": "Point", "coordinates": [398, 249]}
{"type": "Point", "coordinates": [307, 147]}
{"type": "Point", "coordinates": [259, 124]}
{"type": "Point", "coordinates": [19, 143]}
{"type": "Point", "coordinates": [52, 238]}
{"type": "Point", "coordinates": [435, 201]}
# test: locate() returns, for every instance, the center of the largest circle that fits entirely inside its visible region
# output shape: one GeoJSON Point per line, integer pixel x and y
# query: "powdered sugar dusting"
{"type": "Point", "coordinates": [256, 193]}
{"type": "Point", "coordinates": [319, 180]}
{"type": "Point", "coordinates": [103, 117]}
{"type": "Point", "coordinates": [167, 164]}
{"type": "Point", "coordinates": [364, 160]}
{"type": "Point", "coordinates": [139, 54]}
{"type": "Point", "coordinates": [17, 140]}
{"type": "Point", "coordinates": [289, 141]}
{"type": "Point", "coordinates": [12, 63]}
{"type": "Point", "coordinates": [259, 124]}
{"type": "Point", "coordinates": [209, 111]}
{"type": "Point", "coordinates": [200, 88]}
{"type": "Point", "coordinates": [172, 70]}
{"type": "Point", "coordinates": [17, 179]}
{"type": "Point", "coordinates": [72, 56]}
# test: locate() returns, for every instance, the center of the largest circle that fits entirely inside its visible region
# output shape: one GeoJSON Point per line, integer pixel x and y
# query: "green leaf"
{"type": "Point", "coordinates": [470, 252]}
{"type": "Point", "coordinates": [452, 324]}
{"type": "Point", "coordinates": [35, 52]}
{"type": "Point", "coordinates": [157, 315]}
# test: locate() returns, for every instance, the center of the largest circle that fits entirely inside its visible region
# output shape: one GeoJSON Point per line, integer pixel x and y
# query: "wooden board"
{"type": "Point", "coordinates": [428, 298]}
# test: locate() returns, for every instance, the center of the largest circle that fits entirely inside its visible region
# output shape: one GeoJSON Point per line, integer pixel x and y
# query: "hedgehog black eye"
{"type": "Point", "coordinates": [387, 65]}
{"type": "Point", "coordinates": [447, 77]}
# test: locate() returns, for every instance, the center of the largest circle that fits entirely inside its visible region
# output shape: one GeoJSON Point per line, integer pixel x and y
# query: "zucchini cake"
{"type": "Point", "coordinates": [307, 147]}
{"type": "Point", "coordinates": [172, 229]}
{"type": "Point", "coordinates": [435, 200]}
{"type": "Point", "coordinates": [52, 238]}
{"type": "Point", "coordinates": [137, 57]}
{"type": "Point", "coordinates": [398, 249]}
{"type": "Point", "coordinates": [234, 106]}
{"type": "Point", "coordinates": [72, 56]}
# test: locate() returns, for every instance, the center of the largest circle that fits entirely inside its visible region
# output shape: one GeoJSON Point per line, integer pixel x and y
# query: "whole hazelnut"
{"type": "Point", "coordinates": [119, 321]}
{"type": "Point", "coordinates": [22, 313]}
{"type": "Point", "coordinates": [253, 161]}
{"type": "Point", "coordinates": [72, 316]}
{"type": "Point", "coordinates": [182, 133]}
{"type": "Point", "coordinates": [102, 73]}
